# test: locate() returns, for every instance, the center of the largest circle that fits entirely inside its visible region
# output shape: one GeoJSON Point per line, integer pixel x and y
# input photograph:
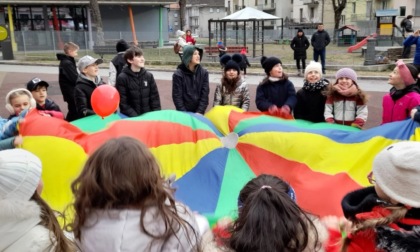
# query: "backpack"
{"type": "Point", "coordinates": [177, 47]}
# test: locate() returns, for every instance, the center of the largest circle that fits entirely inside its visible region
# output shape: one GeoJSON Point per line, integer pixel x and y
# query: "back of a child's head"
{"type": "Point", "coordinates": [70, 46]}
{"type": "Point", "coordinates": [269, 218]}
{"type": "Point", "coordinates": [133, 51]}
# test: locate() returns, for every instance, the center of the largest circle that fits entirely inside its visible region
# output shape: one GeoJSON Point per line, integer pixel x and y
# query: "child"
{"type": "Point", "coordinates": [189, 38]}
{"type": "Point", "coordinates": [117, 64]}
{"type": "Point", "coordinates": [311, 99]}
{"type": "Point", "coordinates": [245, 62]}
{"type": "Point", "coordinates": [38, 89]}
{"type": "Point", "coordinates": [232, 90]}
{"type": "Point", "coordinates": [276, 93]}
{"type": "Point", "coordinates": [87, 81]}
{"type": "Point", "coordinates": [139, 93]}
{"type": "Point", "coordinates": [122, 201]}
{"type": "Point", "coordinates": [385, 214]}
{"type": "Point", "coordinates": [404, 94]}
{"type": "Point", "coordinates": [270, 220]}
{"type": "Point", "coordinates": [342, 108]}
{"type": "Point", "coordinates": [67, 77]}
{"type": "Point", "coordinates": [221, 48]}
{"type": "Point", "coordinates": [27, 223]}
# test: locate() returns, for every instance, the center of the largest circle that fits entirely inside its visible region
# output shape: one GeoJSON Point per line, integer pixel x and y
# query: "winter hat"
{"type": "Point", "coordinates": [269, 63]}
{"type": "Point", "coordinates": [20, 173]}
{"type": "Point", "coordinates": [348, 73]}
{"type": "Point", "coordinates": [408, 72]}
{"type": "Point", "coordinates": [299, 30]}
{"type": "Point", "coordinates": [313, 66]}
{"type": "Point", "coordinates": [397, 172]}
{"type": "Point", "coordinates": [180, 33]}
{"type": "Point", "coordinates": [121, 46]}
{"type": "Point", "coordinates": [187, 53]}
{"type": "Point", "coordinates": [231, 62]}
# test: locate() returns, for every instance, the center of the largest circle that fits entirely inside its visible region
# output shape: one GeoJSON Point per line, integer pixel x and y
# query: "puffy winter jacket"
{"type": "Point", "coordinates": [190, 90]}
{"type": "Point", "coordinates": [299, 45]}
{"type": "Point", "coordinates": [82, 93]}
{"type": "Point", "coordinates": [239, 98]}
{"type": "Point", "coordinates": [277, 93]}
{"type": "Point", "coordinates": [138, 92]}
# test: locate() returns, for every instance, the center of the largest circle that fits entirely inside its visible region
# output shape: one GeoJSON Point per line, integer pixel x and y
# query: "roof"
{"type": "Point", "coordinates": [387, 13]}
{"type": "Point", "coordinates": [351, 27]}
{"type": "Point", "coordinates": [249, 13]}
{"type": "Point", "coordinates": [86, 2]}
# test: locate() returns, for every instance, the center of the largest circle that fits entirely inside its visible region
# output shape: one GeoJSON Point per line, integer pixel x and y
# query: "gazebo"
{"type": "Point", "coordinates": [245, 15]}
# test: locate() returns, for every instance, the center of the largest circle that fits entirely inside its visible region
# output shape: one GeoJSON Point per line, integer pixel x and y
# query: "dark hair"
{"type": "Point", "coordinates": [132, 52]}
{"type": "Point", "coordinates": [59, 242]}
{"type": "Point", "coordinates": [409, 16]}
{"type": "Point", "coordinates": [269, 220]}
{"type": "Point", "coordinates": [330, 91]}
{"type": "Point", "coordinates": [121, 174]}
{"type": "Point", "coordinates": [229, 84]}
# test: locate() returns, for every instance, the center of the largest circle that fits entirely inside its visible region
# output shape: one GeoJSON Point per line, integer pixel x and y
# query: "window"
{"type": "Point", "coordinates": [402, 11]}
{"type": "Point", "coordinates": [176, 23]}
{"type": "Point", "coordinates": [343, 19]}
{"type": "Point", "coordinates": [217, 10]}
{"type": "Point", "coordinates": [211, 10]}
{"type": "Point", "coordinates": [354, 7]}
{"type": "Point", "coordinates": [384, 5]}
{"type": "Point", "coordinates": [417, 8]}
{"type": "Point", "coordinates": [175, 14]}
{"type": "Point", "coordinates": [368, 9]}
{"type": "Point", "coordinates": [312, 13]}
{"type": "Point", "coordinates": [300, 15]}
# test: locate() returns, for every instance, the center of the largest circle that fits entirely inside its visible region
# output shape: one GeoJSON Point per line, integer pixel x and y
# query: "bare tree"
{"type": "Point", "coordinates": [182, 5]}
{"type": "Point", "coordinates": [338, 6]}
{"type": "Point", "coordinates": [96, 16]}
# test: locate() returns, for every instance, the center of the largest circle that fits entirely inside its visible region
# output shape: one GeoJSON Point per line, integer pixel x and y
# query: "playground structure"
{"type": "Point", "coordinates": [361, 43]}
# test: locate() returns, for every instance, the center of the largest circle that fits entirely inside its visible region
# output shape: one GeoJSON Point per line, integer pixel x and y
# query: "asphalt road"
{"type": "Point", "coordinates": [16, 76]}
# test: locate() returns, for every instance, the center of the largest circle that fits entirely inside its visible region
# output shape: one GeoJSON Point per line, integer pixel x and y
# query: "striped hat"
{"type": "Point", "coordinates": [20, 173]}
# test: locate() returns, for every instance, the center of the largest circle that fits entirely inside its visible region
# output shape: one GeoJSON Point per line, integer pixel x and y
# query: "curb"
{"type": "Point", "coordinates": [165, 68]}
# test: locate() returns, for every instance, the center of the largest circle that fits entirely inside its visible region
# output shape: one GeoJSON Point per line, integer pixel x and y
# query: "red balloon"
{"type": "Point", "coordinates": [105, 100]}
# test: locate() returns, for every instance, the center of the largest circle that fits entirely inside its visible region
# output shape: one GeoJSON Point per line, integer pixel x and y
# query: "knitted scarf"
{"type": "Point", "coordinates": [319, 85]}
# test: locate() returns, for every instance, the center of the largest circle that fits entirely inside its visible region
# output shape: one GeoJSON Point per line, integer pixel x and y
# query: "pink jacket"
{"type": "Point", "coordinates": [399, 110]}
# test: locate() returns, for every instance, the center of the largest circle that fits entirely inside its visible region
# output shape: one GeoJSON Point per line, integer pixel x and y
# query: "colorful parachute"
{"type": "Point", "coordinates": [214, 156]}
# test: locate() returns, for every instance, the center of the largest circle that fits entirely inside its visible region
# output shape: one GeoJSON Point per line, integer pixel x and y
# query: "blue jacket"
{"type": "Point", "coordinates": [411, 40]}
{"type": "Point", "coordinates": [277, 93]}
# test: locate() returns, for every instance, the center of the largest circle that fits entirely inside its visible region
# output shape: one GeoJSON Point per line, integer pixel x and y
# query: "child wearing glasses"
{"type": "Point", "coordinates": [384, 216]}
{"type": "Point", "coordinates": [47, 107]}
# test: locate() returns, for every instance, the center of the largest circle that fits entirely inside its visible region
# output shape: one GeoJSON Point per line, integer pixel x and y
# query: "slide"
{"type": "Point", "coordinates": [361, 43]}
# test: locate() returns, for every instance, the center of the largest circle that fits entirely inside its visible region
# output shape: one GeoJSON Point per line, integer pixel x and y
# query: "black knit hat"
{"type": "Point", "coordinates": [122, 45]}
{"type": "Point", "coordinates": [269, 63]}
{"type": "Point", "coordinates": [231, 62]}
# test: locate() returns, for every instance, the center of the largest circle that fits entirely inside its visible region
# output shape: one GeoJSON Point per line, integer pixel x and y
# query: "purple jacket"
{"type": "Point", "coordinates": [399, 109]}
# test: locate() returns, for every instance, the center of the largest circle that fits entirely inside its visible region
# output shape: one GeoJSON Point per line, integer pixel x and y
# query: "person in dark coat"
{"type": "Point", "coordinates": [118, 62]}
{"type": "Point", "coordinates": [48, 107]}
{"type": "Point", "coordinates": [137, 87]}
{"type": "Point", "coordinates": [300, 44]}
{"type": "Point", "coordinates": [67, 77]}
{"type": "Point", "coordinates": [276, 93]}
{"type": "Point", "coordinates": [86, 83]}
{"type": "Point", "coordinates": [320, 40]}
{"type": "Point", "coordinates": [244, 63]}
{"type": "Point", "coordinates": [190, 82]}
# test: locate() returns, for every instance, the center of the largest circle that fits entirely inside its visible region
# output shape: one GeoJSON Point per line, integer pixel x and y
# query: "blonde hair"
{"type": "Point", "coordinates": [70, 46]}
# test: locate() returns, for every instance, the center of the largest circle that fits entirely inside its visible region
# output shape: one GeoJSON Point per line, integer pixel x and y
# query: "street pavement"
{"type": "Point", "coordinates": [16, 76]}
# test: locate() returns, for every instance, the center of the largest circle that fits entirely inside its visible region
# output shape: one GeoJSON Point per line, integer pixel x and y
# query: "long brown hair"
{"type": "Point", "coordinates": [122, 174]}
{"type": "Point", "coordinates": [59, 241]}
{"type": "Point", "coordinates": [229, 84]}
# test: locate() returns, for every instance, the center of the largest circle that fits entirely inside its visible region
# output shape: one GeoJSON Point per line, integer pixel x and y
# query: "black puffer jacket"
{"type": "Point", "coordinates": [67, 76]}
{"type": "Point", "coordinates": [299, 45]}
{"type": "Point", "coordinates": [320, 39]}
{"type": "Point", "coordinates": [138, 92]}
{"type": "Point", "coordinates": [82, 94]}
{"type": "Point", "coordinates": [190, 90]}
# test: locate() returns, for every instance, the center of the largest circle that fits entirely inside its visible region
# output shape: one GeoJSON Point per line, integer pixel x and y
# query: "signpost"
{"type": "Point", "coordinates": [6, 43]}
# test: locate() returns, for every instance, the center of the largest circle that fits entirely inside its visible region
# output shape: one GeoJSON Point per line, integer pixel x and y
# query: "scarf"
{"type": "Point", "coordinates": [319, 85]}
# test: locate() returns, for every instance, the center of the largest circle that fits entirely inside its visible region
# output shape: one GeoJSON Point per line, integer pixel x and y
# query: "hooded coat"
{"type": "Point", "coordinates": [190, 89]}
{"type": "Point", "coordinates": [299, 45]}
{"type": "Point", "coordinates": [138, 92]}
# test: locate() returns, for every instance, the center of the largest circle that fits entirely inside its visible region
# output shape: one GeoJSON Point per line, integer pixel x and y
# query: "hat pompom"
{"type": "Point", "coordinates": [237, 58]}
{"type": "Point", "coordinates": [263, 58]}
{"type": "Point", "coordinates": [224, 59]}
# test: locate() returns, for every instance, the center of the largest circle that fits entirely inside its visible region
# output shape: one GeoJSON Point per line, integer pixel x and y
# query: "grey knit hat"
{"type": "Point", "coordinates": [20, 173]}
{"type": "Point", "coordinates": [397, 172]}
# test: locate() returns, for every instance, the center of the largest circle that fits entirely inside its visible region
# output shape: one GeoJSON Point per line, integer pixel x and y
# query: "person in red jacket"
{"type": "Point", "coordinates": [385, 215]}
{"type": "Point", "coordinates": [189, 38]}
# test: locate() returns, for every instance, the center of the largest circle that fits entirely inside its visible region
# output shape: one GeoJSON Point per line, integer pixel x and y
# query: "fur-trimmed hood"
{"type": "Point", "coordinates": [389, 239]}
{"type": "Point", "coordinates": [20, 229]}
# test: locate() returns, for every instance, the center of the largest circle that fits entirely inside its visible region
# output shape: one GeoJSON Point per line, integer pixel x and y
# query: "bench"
{"type": "Point", "coordinates": [213, 51]}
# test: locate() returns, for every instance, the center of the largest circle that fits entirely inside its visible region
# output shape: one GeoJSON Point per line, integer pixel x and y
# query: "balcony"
{"type": "Point", "coordinates": [311, 3]}
{"type": "Point", "coordinates": [267, 7]}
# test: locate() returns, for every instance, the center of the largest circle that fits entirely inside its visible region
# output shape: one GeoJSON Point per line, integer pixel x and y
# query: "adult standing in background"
{"type": "Point", "coordinates": [407, 28]}
{"type": "Point", "coordinates": [320, 40]}
{"type": "Point", "coordinates": [300, 44]}
{"type": "Point", "coordinates": [414, 40]}
{"type": "Point", "coordinates": [118, 62]}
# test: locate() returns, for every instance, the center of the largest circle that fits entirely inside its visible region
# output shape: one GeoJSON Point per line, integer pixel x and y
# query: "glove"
{"type": "Point", "coordinates": [273, 110]}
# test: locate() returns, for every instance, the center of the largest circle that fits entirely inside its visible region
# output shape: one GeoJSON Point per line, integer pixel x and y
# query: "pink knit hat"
{"type": "Point", "coordinates": [405, 73]}
{"type": "Point", "coordinates": [347, 73]}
